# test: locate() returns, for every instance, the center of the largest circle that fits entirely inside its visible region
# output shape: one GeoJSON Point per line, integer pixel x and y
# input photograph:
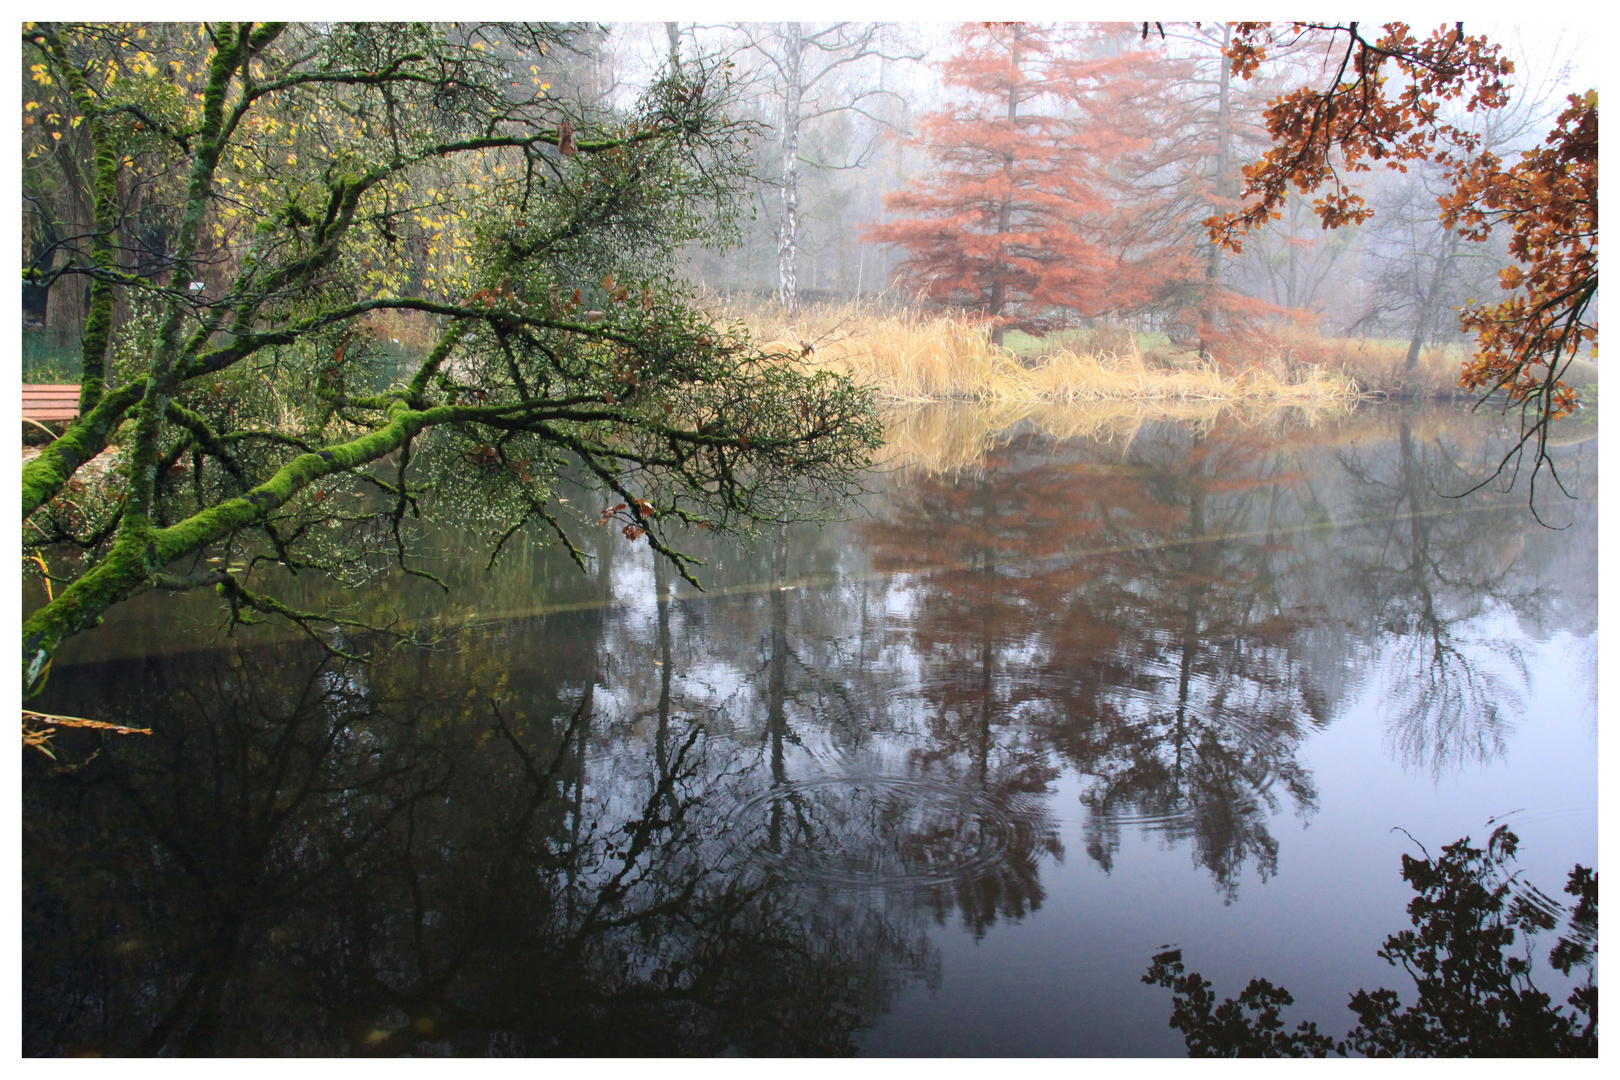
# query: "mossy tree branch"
{"type": "Point", "coordinates": [262, 415]}
{"type": "Point", "coordinates": [105, 161]}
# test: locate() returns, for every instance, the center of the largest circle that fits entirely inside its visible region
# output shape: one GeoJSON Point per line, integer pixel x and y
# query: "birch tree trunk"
{"type": "Point", "coordinates": [787, 235]}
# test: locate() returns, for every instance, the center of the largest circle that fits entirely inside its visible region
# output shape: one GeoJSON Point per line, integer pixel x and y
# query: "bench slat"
{"type": "Point", "coordinates": [50, 401]}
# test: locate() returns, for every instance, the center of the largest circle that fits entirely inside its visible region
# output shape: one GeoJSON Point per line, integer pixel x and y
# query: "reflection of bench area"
{"type": "Point", "coordinates": [47, 402]}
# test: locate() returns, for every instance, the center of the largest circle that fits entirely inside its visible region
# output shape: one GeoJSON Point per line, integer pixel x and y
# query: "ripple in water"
{"type": "Point", "coordinates": [883, 832]}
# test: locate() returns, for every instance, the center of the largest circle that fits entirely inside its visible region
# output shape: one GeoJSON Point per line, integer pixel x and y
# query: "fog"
{"type": "Point", "coordinates": [866, 93]}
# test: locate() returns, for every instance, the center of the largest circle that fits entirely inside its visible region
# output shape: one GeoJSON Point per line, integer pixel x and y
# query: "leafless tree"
{"type": "Point", "coordinates": [803, 64]}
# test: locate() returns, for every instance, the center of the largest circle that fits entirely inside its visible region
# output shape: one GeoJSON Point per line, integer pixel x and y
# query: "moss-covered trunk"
{"type": "Point", "coordinates": [104, 209]}
{"type": "Point", "coordinates": [88, 436]}
{"type": "Point", "coordinates": [137, 557]}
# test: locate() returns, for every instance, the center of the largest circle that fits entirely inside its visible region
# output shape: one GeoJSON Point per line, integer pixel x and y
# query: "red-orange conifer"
{"type": "Point", "coordinates": [1011, 221]}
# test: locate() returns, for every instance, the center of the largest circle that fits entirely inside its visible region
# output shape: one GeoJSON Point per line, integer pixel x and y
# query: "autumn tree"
{"type": "Point", "coordinates": [1183, 126]}
{"type": "Point", "coordinates": [1075, 184]}
{"type": "Point", "coordinates": [69, 206]}
{"type": "Point", "coordinates": [243, 392]}
{"type": "Point", "coordinates": [1386, 103]}
{"type": "Point", "coordinates": [1010, 223]}
{"type": "Point", "coordinates": [1420, 272]}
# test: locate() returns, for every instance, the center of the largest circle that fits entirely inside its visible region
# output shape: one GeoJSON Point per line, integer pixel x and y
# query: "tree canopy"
{"type": "Point", "coordinates": [1387, 101]}
{"type": "Point", "coordinates": [257, 198]}
{"type": "Point", "coordinates": [1073, 166]}
{"type": "Point", "coordinates": [1474, 998]}
{"type": "Point", "coordinates": [1011, 223]}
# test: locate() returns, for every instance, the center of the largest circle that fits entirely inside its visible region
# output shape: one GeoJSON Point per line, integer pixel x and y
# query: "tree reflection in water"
{"type": "Point", "coordinates": [1175, 612]}
{"type": "Point", "coordinates": [325, 865]}
{"type": "Point", "coordinates": [1473, 1000]}
{"type": "Point", "coordinates": [726, 823]}
{"type": "Point", "coordinates": [1432, 580]}
{"type": "Point", "coordinates": [1105, 604]}
{"type": "Point", "coordinates": [939, 814]}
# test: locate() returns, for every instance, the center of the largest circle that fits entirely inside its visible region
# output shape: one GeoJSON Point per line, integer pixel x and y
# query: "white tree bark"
{"type": "Point", "coordinates": [787, 235]}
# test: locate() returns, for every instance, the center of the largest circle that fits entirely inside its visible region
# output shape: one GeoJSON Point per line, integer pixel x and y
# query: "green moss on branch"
{"type": "Point", "coordinates": [138, 555]}
{"type": "Point", "coordinates": [88, 436]}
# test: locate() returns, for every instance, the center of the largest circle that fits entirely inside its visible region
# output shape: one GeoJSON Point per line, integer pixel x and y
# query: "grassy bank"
{"type": "Point", "coordinates": [911, 357]}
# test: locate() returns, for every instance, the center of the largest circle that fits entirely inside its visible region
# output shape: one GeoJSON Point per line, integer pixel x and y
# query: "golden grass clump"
{"type": "Point", "coordinates": [1377, 364]}
{"type": "Point", "coordinates": [910, 357]}
{"type": "Point", "coordinates": [1070, 377]}
{"type": "Point", "coordinates": [905, 356]}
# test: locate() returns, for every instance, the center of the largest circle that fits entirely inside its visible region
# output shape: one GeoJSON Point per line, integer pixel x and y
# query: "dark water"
{"type": "Point", "coordinates": [939, 780]}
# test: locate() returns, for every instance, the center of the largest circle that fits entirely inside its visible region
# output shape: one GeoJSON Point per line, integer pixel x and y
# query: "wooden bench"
{"type": "Point", "coordinates": [50, 402]}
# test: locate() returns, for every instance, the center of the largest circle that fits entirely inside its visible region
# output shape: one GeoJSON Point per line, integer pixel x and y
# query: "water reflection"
{"type": "Point", "coordinates": [612, 816]}
{"type": "Point", "coordinates": [1105, 604]}
{"type": "Point", "coordinates": [1429, 583]}
{"type": "Point", "coordinates": [1176, 612]}
{"type": "Point", "coordinates": [855, 785]}
{"type": "Point", "coordinates": [330, 865]}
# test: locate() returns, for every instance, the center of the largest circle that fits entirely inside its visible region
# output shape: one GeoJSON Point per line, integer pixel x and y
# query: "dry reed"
{"type": "Point", "coordinates": [1378, 365]}
{"type": "Point", "coordinates": [907, 357]}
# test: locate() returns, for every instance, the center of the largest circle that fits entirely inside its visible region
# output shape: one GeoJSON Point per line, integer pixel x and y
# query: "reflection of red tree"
{"type": "Point", "coordinates": [1111, 599]}
{"type": "Point", "coordinates": [980, 543]}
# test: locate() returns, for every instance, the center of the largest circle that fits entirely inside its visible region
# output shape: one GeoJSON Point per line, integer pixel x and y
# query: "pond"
{"type": "Point", "coordinates": [1068, 690]}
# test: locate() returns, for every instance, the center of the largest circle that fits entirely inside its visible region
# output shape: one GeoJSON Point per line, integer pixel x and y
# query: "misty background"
{"type": "Point", "coordinates": [841, 104]}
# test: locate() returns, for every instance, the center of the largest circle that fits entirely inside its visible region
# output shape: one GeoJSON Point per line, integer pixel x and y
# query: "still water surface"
{"type": "Point", "coordinates": [937, 780]}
